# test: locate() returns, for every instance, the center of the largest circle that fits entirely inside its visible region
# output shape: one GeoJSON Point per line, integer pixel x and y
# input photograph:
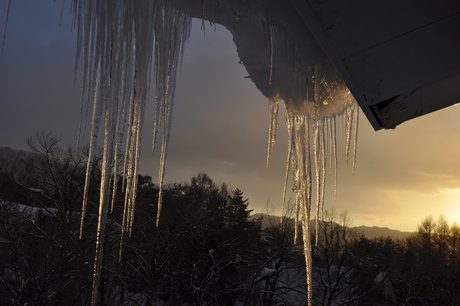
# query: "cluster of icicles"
{"type": "Point", "coordinates": [120, 42]}
{"type": "Point", "coordinates": [310, 135]}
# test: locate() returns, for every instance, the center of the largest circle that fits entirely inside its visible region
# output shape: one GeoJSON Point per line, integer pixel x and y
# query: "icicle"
{"type": "Point", "coordinates": [316, 151]}
{"type": "Point", "coordinates": [172, 29]}
{"type": "Point", "coordinates": [95, 122]}
{"type": "Point", "coordinates": [203, 16]}
{"type": "Point", "coordinates": [103, 198]}
{"type": "Point", "coordinates": [271, 48]}
{"type": "Point", "coordinates": [302, 157]}
{"type": "Point", "coordinates": [320, 169]}
{"type": "Point", "coordinates": [333, 141]}
{"type": "Point", "coordinates": [5, 23]}
{"type": "Point", "coordinates": [83, 14]}
{"type": "Point", "coordinates": [288, 168]}
{"type": "Point", "coordinates": [307, 253]}
{"type": "Point", "coordinates": [322, 186]}
{"type": "Point", "coordinates": [62, 12]}
{"type": "Point", "coordinates": [355, 131]}
{"type": "Point", "coordinates": [348, 127]}
{"type": "Point", "coordinates": [132, 169]}
{"type": "Point", "coordinates": [273, 127]}
{"type": "Point", "coordinates": [312, 130]}
{"type": "Point", "coordinates": [120, 124]}
{"type": "Point", "coordinates": [115, 49]}
{"type": "Point", "coordinates": [316, 96]}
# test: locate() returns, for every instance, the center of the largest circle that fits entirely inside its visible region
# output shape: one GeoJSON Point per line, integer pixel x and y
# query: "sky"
{"type": "Point", "coordinates": [220, 126]}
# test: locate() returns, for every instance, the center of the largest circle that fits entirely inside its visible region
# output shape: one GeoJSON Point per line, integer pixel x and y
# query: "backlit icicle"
{"type": "Point", "coordinates": [355, 133]}
{"type": "Point", "coordinates": [286, 174]}
{"type": "Point", "coordinates": [270, 43]}
{"type": "Point", "coordinates": [172, 30]}
{"type": "Point", "coordinates": [319, 150]}
{"type": "Point", "coordinates": [311, 125]}
{"type": "Point", "coordinates": [273, 110]}
{"type": "Point", "coordinates": [103, 199]}
{"type": "Point", "coordinates": [348, 129]}
{"type": "Point", "coordinates": [303, 183]}
{"type": "Point", "coordinates": [332, 127]}
{"type": "Point", "coordinates": [95, 122]}
{"type": "Point", "coordinates": [119, 41]}
{"type": "Point", "coordinates": [310, 135]}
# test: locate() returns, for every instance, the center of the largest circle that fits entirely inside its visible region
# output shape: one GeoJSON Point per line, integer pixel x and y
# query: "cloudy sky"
{"type": "Point", "coordinates": [220, 125]}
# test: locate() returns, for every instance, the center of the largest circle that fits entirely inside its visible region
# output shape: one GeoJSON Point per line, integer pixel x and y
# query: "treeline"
{"type": "Point", "coordinates": [206, 249]}
{"type": "Point", "coordinates": [432, 261]}
{"type": "Point", "coordinates": [422, 269]}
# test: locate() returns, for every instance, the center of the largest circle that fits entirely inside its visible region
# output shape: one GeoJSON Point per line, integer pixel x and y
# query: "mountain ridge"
{"type": "Point", "coordinates": [369, 232]}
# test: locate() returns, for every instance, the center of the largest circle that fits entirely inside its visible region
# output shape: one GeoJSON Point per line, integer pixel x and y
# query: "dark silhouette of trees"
{"type": "Point", "coordinates": [431, 268]}
{"type": "Point", "coordinates": [341, 275]}
{"type": "Point", "coordinates": [41, 258]}
{"type": "Point", "coordinates": [280, 275]}
{"type": "Point", "coordinates": [201, 251]}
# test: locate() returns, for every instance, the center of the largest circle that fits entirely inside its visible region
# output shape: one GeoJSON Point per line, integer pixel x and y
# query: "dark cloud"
{"type": "Point", "coordinates": [220, 123]}
{"type": "Point", "coordinates": [36, 75]}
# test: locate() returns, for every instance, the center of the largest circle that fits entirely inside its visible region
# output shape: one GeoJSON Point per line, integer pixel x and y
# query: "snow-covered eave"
{"type": "Point", "coordinates": [397, 68]}
{"type": "Point", "coordinates": [278, 51]}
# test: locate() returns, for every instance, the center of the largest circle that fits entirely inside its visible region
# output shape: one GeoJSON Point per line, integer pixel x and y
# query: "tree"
{"type": "Point", "coordinates": [280, 275]}
{"type": "Point", "coordinates": [431, 253]}
{"type": "Point", "coordinates": [42, 259]}
{"type": "Point", "coordinates": [425, 234]}
{"type": "Point", "coordinates": [338, 273]}
{"type": "Point", "coordinates": [454, 243]}
{"type": "Point", "coordinates": [201, 251]}
{"type": "Point", "coordinates": [441, 239]}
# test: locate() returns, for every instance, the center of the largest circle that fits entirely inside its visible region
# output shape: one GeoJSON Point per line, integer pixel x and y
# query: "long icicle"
{"type": "Point", "coordinates": [333, 140]}
{"type": "Point", "coordinates": [288, 168]}
{"type": "Point", "coordinates": [5, 23]}
{"type": "Point", "coordinates": [172, 29]}
{"type": "Point", "coordinates": [95, 122]}
{"type": "Point", "coordinates": [355, 131]}
{"type": "Point", "coordinates": [103, 200]}
{"type": "Point", "coordinates": [273, 107]}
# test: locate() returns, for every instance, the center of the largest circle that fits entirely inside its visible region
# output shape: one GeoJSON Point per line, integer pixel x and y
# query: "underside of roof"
{"type": "Point", "coordinates": [400, 59]}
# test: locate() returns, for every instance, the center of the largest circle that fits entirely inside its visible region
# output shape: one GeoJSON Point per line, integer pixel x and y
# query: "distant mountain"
{"type": "Point", "coordinates": [10, 154]}
{"type": "Point", "coordinates": [14, 163]}
{"type": "Point", "coordinates": [368, 231]}
{"type": "Point", "coordinates": [265, 219]}
{"type": "Point", "coordinates": [375, 231]}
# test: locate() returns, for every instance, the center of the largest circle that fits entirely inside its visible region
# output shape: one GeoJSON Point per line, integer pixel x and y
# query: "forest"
{"type": "Point", "coordinates": [206, 250]}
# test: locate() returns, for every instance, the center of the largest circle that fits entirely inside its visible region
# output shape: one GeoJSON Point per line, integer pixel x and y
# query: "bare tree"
{"type": "Point", "coordinates": [280, 275]}
{"type": "Point", "coordinates": [338, 274]}
{"type": "Point", "coordinates": [42, 259]}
